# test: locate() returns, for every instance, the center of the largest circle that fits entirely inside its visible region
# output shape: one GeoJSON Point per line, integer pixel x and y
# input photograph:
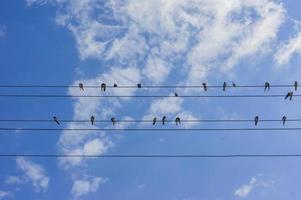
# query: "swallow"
{"type": "Point", "coordinates": [178, 121]}
{"type": "Point", "coordinates": [92, 120]}
{"type": "Point", "coordinates": [164, 120]}
{"type": "Point", "coordinates": [224, 86]}
{"type": "Point", "coordinates": [176, 94]}
{"type": "Point", "coordinates": [233, 84]}
{"type": "Point", "coordinates": [139, 85]}
{"type": "Point", "coordinates": [289, 95]}
{"type": "Point", "coordinates": [256, 120]}
{"type": "Point", "coordinates": [283, 120]}
{"type": "Point", "coordinates": [55, 119]}
{"type": "Point", "coordinates": [81, 86]}
{"type": "Point", "coordinates": [267, 86]}
{"type": "Point", "coordinates": [103, 87]}
{"type": "Point", "coordinates": [296, 85]}
{"type": "Point", "coordinates": [154, 120]}
{"type": "Point", "coordinates": [205, 87]}
{"type": "Point", "coordinates": [113, 121]}
{"type": "Point", "coordinates": [115, 85]}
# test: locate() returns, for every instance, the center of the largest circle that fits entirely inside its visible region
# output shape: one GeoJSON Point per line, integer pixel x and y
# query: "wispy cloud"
{"type": "Point", "coordinates": [2, 31]}
{"type": "Point", "coordinates": [83, 187]}
{"type": "Point", "coordinates": [34, 172]}
{"type": "Point", "coordinates": [6, 194]}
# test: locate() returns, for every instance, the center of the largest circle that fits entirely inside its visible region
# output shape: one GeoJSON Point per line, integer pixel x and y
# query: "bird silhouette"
{"type": "Point", "coordinates": [205, 87]}
{"type": "Point", "coordinates": [176, 94]}
{"type": "Point", "coordinates": [289, 95]}
{"type": "Point", "coordinates": [224, 86]}
{"type": "Point", "coordinates": [56, 120]}
{"type": "Point", "coordinates": [296, 85]}
{"type": "Point", "coordinates": [139, 85]}
{"type": "Point", "coordinates": [283, 120]}
{"type": "Point", "coordinates": [154, 120]}
{"type": "Point", "coordinates": [267, 86]}
{"type": "Point", "coordinates": [164, 120]}
{"type": "Point", "coordinates": [233, 84]}
{"type": "Point", "coordinates": [92, 120]}
{"type": "Point", "coordinates": [113, 121]}
{"type": "Point", "coordinates": [103, 87]}
{"type": "Point", "coordinates": [256, 120]}
{"type": "Point", "coordinates": [81, 86]}
{"type": "Point", "coordinates": [115, 85]}
{"type": "Point", "coordinates": [178, 121]}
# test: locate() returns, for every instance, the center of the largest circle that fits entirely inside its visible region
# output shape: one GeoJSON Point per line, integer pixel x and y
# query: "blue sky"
{"type": "Point", "coordinates": [155, 42]}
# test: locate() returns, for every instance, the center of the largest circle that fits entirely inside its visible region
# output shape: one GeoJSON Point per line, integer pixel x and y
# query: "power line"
{"type": "Point", "coordinates": [140, 96]}
{"type": "Point", "coordinates": [152, 130]}
{"type": "Point", "coordinates": [154, 156]}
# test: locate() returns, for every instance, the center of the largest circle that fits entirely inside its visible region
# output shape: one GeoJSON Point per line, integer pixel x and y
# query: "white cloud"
{"type": "Point", "coordinates": [83, 187]}
{"type": "Point", "coordinates": [11, 180]}
{"type": "Point", "coordinates": [5, 194]}
{"type": "Point", "coordinates": [39, 2]}
{"type": "Point", "coordinates": [287, 50]}
{"type": "Point", "coordinates": [34, 172]}
{"type": "Point", "coordinates": [2, 31]}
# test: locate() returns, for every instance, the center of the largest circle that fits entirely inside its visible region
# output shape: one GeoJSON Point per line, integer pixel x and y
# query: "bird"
{"type": "Point", "coordinates": [55, 119]}
{"type": "Point", "coordinates": [139, 85]}
{"type": "Point", "coordinates": [103, 87]}
{"type": "Point", "coordinates": [81, 86]}
{"type": "Point", "coordinates": [115, 85]}
{"type": "Point", "coordinates": [178, 121]}
{"type": "Point", "coordinates": [296, 85]}
{"type": "Point", "coordinates": [176, 94]}
{"type": "Point", "coordinates": [267, 86]}
{"type": "Point", "coordinates": [205, 87]}
{"type": "Point", "coordinates": [164, 120]}
{"type": "Point", "coordinates": [92, 120]}
{"type": "Point", "coordinates": [256, 120]}
{"type": "Point", "coordinates": [233, 84]}
{"type": "Point", "coordinates": [224, 86]}
{"type": "Point", "coordinates": [113, 121]}
{"type": "Point", "coordinates": [289, 95]}
{"type": "Point", "coordinates": [283, 120]}
{"type": "Point", "coordinates": [154, 120]}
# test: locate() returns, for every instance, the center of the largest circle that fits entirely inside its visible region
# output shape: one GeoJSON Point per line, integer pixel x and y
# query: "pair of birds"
{"type": "Point", "coordinates": [164, 120]}
{"type": "Point", "coordinates": [103, 86]}
{"type": "Point", "coordinates": [256, 120]}
{"type": "Point", "coordinates": [224, 86]}
{"type": "Point", "coordinates": [267, 86]}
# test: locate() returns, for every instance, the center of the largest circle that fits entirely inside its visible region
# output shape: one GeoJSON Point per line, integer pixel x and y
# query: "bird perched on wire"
{"type": "Point", "coordinates": [163, 120]}
{"type": "Point", "coordinates": [115, 85]}
{"type": "Point", "coordinates": [289, 95]}
{"type": "Point", "coordinates": [178, 121]}
{"type": "Point", "coordinates": [267, 86]}
{"type": "Point", "coordinates": [139, 85]}
{"type": "Point", "coordinates": [233, 84]}
{"type": "Point", "coordinates": [296, 85]}
{"type": "Point", "coordinates": [113, 120]}
{"type": "Point", "coordinates": [103, 87]}
{"type": "Point", "coordinates": [154, 120]}
{"type": "Point", "coordinates": [224, 86]}
{"type": "Point", "coordinates": [81, 86]}
{"type": "Point", "coordinates": [205, 87]}
{"type": "Point", "coordinates": [92, 119]}
{"type": "Point", "coordinates": [283, 120]}
{"type": "Point", "coordinates": [56, 120]}
{"type": "Point", "coordinates": [176, 94]}
{"type": "Point", "coordinates": [256, 120]}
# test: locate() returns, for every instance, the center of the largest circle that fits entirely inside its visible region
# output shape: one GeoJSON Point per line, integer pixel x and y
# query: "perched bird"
{"type": "Point", "coordinates": [176, 94]}
{"type": "Point", "coordinates": [178, 121]}
{"type": "Point", "coordinates": [289, 95]}
{"type": "Point", "coordinates": [56, 120]}
{"type": "Point", "coordinates": [296, 85]}
{"type": "Point", "coordinates": [224, 86]}
{"type": "Point", "coordinates": [113, 121]}
{"type": "Point", "coordinates": [283, 120]}
{"type": "Point", "coordinates": [115, 85]}
{"type": "Point", "coordinates": [81, 86]}
{"type": "Point", "coordinates": [267, 86]}
{"type": "Point", "coordinates": [139, 85]}
{"type": "Point", "coordinates": [256, 120]}
{"type": "Point", "coordinates": [92, 120]}
{"type": "Point", "coordinates": [233, 84]}
{"type": "Point", "coordinates": [154, 120]}
{"type": "Point", "coordinates": [205, 87]}
{"type": "Point", "coordinates": [103, 87]}
{"type": "Point", "coordinates": [164, 120]}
